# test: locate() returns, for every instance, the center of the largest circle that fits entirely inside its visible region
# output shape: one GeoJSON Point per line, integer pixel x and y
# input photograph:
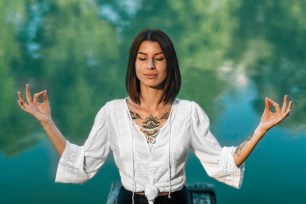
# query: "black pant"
{"type": "Point", "coordinates": [177, 197]}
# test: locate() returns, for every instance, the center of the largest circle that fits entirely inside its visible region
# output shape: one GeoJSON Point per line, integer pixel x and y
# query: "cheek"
{"type": "Point", "coordinates": [164, 70]}
{"type": "Point", "coordinates": [139, 66]}
{"type": "Point", "coordinates": [138, 72]}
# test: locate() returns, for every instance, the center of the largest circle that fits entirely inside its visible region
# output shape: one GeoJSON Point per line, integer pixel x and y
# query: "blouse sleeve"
{"type": "Point", "coordinates": [217, 161]}
{"type": "Point", "coordinates": [80, 163]}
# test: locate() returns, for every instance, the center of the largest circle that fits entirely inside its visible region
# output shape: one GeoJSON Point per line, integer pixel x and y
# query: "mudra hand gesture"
{"type": "Point", "coordinates": [269, 118]}
{"type": "Point", "coordinates": [40, 110]}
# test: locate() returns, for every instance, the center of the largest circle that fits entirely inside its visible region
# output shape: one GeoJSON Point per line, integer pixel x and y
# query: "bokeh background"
{"type": "Point", "coordinates": [232, 54]}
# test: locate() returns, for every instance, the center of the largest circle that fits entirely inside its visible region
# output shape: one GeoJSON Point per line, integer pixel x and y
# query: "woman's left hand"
{"type": "Point", "coordinates": [269, 118]}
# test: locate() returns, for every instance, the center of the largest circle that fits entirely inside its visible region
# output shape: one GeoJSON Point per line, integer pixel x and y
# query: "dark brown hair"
{"type": "Point", "coordinates": [173, 80]}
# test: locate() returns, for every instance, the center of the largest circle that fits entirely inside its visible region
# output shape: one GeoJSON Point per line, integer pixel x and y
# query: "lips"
{"type": "Point", "coordinates": [150, 75]}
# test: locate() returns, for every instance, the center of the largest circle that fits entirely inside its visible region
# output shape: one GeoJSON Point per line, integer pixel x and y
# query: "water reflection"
{"type": "Point", "coordinates": [78, 51]}
{"type": "Point", "coordinates": [272, 32]}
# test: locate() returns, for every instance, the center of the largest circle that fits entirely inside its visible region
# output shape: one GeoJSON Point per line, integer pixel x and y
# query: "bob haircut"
{"type": "Point", "coordinates": [172, 83]}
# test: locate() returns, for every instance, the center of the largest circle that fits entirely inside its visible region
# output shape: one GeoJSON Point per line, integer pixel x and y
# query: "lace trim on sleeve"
{"type": "Point", "coordinates": [70, 155]}
{"type": "Point", "coordinates": [232, 175]}
{"type": "Point", "coordinates": [70, 167]}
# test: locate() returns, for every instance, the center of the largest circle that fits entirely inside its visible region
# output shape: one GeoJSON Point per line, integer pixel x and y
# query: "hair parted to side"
{"type": "Point", "coordinates": [173, 80]}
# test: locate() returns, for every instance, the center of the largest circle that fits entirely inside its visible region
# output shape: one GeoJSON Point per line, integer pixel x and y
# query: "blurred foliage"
{"type": "Point", "coordinates": [9, 57]}
{"type": "Point", "coordinates": [62, 46]}
{"type": "Point", "coordinates": [272, 45]}
{"type": "Point", "coordinates": [78, 51]}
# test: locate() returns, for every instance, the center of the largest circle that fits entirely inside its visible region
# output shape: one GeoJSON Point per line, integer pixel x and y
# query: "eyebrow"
{"type": "Point", "coordinates": [147, 54]}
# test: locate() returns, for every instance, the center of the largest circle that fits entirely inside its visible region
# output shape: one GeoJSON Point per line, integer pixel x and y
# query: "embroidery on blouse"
{"type": "Point", "coordinates": [70, 161]}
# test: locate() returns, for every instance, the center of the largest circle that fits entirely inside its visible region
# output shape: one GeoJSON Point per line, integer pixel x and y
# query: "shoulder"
{"type": "Point", "coordinates": [183, 103]}
{"type": "Point", "coordinates": [191, 107]}
{"type": "Point", "coordinates": [116, 102]}
{"type": "Point", "coordinates": [111, 106]}
{"type": "Point", "coordinates": [183, 107]}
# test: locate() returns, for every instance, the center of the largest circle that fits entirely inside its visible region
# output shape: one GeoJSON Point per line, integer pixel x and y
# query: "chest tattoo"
{"type": "Point", "coordinates": [150, 125]}
{"type": "Point", "coordinates": [135, 116]}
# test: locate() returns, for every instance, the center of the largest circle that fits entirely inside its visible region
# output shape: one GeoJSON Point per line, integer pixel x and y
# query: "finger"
{"type": "Point", "coordinates": [21, 104]}
{"type": "Point", "coordinates": [284, 107]}
{"type": "Point", "coordinates": [274, 104]}
{"type": "Point", "coordinates": [20, 96]}
{"type": "Point", "coordinates": [287, 110]}
{"type": "Point", "coordinates": [28, 93]}
{"type": "Point", "coordinates": [45, 96]}
{"type": "Point", "coordinates": [289, 107]}
{"type": "Point", "coordinates": [285, 114]}
{"type": "Point", "coordinates": [36, 97]}
{"type": "Point", "coordinates": [267, 106]}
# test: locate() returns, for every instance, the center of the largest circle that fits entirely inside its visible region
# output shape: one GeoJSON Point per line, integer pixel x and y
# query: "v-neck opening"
{"type": "Point", "coordinates": [160, 130]}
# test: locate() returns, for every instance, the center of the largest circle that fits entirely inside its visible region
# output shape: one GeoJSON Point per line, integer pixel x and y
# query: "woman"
{"type": "Point", "coordinates": [150, 131]}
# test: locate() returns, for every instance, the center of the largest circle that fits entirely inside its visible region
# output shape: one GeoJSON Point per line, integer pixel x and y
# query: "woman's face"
{"type": "Point", "coordinates": [151, 65]}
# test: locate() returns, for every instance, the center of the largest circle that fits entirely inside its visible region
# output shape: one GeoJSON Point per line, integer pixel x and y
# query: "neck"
{"type": "Point", "coordinates": [151, 99]}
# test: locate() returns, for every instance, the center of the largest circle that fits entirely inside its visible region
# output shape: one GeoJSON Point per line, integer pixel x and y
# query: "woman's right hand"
{"type": "Point", "coordinates": [40, 110]}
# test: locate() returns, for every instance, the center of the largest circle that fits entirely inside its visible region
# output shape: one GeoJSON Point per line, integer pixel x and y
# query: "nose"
{"type": "Point", "coordinates": [150, 64]}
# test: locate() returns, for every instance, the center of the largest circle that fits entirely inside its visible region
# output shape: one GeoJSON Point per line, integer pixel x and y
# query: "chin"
{"type": "Point", "coordinates": [153, 84]}
{"type": "Point", "coordinates": [157, 86]}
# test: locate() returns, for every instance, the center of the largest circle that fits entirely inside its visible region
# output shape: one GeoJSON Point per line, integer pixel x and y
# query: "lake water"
{"type": "Point", "coordinates": [232, 54]}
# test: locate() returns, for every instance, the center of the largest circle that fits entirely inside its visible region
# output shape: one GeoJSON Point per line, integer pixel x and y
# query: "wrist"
{"type": "Point", "coordinates": [46, 122]}
{"type": "Point", "coordinates": [260, 132]}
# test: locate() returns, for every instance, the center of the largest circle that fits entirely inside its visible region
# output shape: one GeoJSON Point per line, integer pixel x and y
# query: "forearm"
{"type": "Point", "coordinates": [245, 149]}
{"type": "Point", "coordinates": [55, 136]}
{"type": "Point", "coordinates": [268, 120]}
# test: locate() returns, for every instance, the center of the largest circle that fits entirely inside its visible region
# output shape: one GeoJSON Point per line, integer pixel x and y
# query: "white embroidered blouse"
{"type": "Point", "coordinates": [142, 170]}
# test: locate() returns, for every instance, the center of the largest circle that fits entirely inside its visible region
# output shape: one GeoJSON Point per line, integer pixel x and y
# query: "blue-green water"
{"type": "Point", "coordinates": [232, 54]}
